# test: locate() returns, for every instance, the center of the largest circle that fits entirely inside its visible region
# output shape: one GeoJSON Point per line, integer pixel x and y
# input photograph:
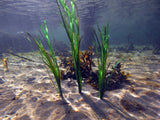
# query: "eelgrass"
{"type": "Point", "coordinates": [103, 44]}
{"type": "Point", "coordinates": [49, 59]}
{"type": "Point", "coordinates": [70, 21]}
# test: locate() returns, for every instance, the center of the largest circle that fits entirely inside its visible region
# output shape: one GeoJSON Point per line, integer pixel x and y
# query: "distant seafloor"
{"type": "Point", "coordinates": [26, 92]}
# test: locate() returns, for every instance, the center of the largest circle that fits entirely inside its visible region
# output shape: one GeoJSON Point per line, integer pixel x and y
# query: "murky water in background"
{"type": "Point", "coordinates": [138, 19]}
{"type": "Point", "coordinates": [25, 91]}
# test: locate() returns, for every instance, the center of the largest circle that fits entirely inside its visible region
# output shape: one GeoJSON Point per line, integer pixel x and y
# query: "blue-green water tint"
{"type": "Point", "coordinates": [25, 91]}
{"type": "Point", "coordinates": [137, 20]}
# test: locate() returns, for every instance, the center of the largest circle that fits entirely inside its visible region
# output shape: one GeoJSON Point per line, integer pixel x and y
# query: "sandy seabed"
{"type": "Point", "coordinates": [26, 92]}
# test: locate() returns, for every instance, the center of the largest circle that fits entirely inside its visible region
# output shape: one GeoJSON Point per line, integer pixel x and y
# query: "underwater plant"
{"type": "Point", "coordinates": [103, 44]}
{"type": "Point", "coordinates": [86, 64]}
{"type": "Point", "coordinates": [106, 77]}
{"type": "Point", "coordinates": [49, 59]}
{"type": "Point", "coordinates": [70, 21]}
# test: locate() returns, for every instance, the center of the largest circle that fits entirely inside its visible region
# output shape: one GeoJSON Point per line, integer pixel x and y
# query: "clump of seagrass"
{"type": "Point", "coordinates": [103, 44]}
{"type": "Point", "coordinates": [48, 58]}
{"type": "Point", "coordinates": [70, 21]}
{"type": "Point", "coordinates": [114, 77]}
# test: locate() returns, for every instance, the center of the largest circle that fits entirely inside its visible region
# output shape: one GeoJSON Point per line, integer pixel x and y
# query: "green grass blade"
{"type": "Point", "coordinates": [104, 49]}
{"type": "Point", "coordinates": [49, 61]}
{"type": "Point", "coordinates": [70, 19]}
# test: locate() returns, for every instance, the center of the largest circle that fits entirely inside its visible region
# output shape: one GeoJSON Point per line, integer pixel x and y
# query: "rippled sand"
{"type": "Point", "coordinates": [27, 94]}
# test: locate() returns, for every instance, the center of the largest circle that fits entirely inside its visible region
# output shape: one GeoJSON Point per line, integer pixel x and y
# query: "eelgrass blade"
{"type": "Point", "coordinates": [53, 82]}
{"type": "Point", "coordinates": [97, 53]}
{"type": "Point", "coordinates": [104, 50]}
{"type": "Point", "coordinates": [45, 31]}
{"type": "Point", "coordinates": [96, 38]}
{"type": "Point", "coordinates": [52, 61]}
{"type": "Point", "coordinates": [49, 61]}
{"type": "Point", "coordinates": [70, 20]}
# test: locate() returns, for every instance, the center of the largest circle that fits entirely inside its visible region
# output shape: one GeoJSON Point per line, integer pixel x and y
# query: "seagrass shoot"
{"type": "Point", "coordinates": [48, 57]}
{"type": "Point", "coordinates": [103, 44]}
{"type": "Point", "coordinates": [70, 22]}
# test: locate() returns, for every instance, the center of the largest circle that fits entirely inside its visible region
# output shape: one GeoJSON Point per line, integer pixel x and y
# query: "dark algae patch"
{"type": "Point", "coordinates": [114, 77]}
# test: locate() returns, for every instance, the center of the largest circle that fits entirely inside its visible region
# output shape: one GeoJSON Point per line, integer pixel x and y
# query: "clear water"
{"type": "Point", "coordinates": [25, 89]}
{"type": "Point", "coordinates": [139, 19]}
